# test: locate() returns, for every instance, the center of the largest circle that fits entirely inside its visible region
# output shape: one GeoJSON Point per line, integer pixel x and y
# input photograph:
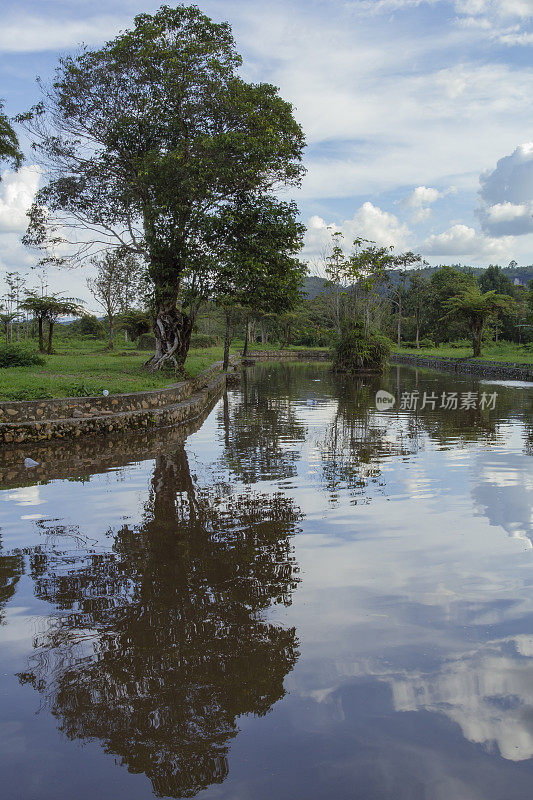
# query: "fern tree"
{"type": "Point", "coordinates": [476, 308]}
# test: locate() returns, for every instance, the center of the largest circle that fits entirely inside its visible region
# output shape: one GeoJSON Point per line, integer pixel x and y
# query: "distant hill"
{"type": "Point", "coordinates": [313, 286]}
{"type": "Point", "coordinates": [518, 275]}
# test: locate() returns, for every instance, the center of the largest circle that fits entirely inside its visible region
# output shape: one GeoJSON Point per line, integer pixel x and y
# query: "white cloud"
{"type": "Point", "coordinates": [33, 34]}
{"type": "Point", "coordinates": [371, 222]}
{"type": "Point", "coordinates": [507, 194]}
{"type": "Point", "coordinates": [509, 212]}
{"type": "Point", "coordinates": [17, 190]}
{"type": "Point", "coordinates": [419, 201]}
{"type": "Point", "coordinates": [368, 222]}
{"type": "Point", "coordinates": [501, 20]}
{"type": "Point", "coordinates": [422, 196]}
{"type": "Point", "coordinates": [461, 240]}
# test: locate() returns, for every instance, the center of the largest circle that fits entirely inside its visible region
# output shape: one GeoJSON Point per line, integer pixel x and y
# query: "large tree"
{"type": "Point", "coordinates": [147, 139]}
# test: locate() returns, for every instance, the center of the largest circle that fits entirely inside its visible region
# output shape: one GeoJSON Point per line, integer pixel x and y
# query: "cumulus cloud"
{"type": "Point", "coordinates": [419, 201]}
{"type": "Point", "coordinates": [17, 191]}
{"type": "Point", "coordinates": [506, 194]}
{"type": "Point", "coordinates": [461, 240]}
{"type": "Point", "coordinates": [368, 222]}
{"type": "Point", "coordinates": [422, 196]}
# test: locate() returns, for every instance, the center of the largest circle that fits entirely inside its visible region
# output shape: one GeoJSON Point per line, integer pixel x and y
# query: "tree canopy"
{"type": "Point", "coordinates": [149, 139]}
{"type": "Point", "coordinates": [9, 144]}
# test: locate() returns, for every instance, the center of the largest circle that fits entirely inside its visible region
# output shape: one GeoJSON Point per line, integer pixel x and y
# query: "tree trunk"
{"type": "Point", "coordinates": [477, 336]}
{"type": "Point", "coordinates": [172, 329]}
{"type": "Point", "coordinates": [111, 332]}
{"type": "Point", "coordinates": [399, 320]}
{"type": "Point", "coordinates": [50, 334]}
{"type": "Point", "coordinates": [264, 335]}
{"type": "Point", "coordinates": [417, 334]}
{"type": "Point", "coordinates": [251, 334]}
{"type": "Point", "coordinates": [227, 340]}
{"type": "Point", "coordinates": [41, 334]}
{"type": "Point", "coordinates": [246, 338]}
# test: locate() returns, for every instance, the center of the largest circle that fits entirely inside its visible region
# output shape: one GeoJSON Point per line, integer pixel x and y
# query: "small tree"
{"type": "Point", "coordinates": [115, 286]}
{"type": "Point", "coordinates": [446, 282]}
{"type": "Point", "coordinates": [417, 301]}
{"type": "Point", "coordinates": [476, 309]}
{"type": "Point", "coordinates": [336, 268]}
{"type": "Point", "coordinates": [50, 309]}
{"type": "Point", "coordinates": [360, 350]}
{"type": "Point", "coordinates": [403, 261]}
{"type": "Point", "coordinates": [368, 265]}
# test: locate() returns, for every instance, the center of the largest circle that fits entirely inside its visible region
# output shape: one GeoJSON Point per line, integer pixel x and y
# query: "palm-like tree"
{"type": "Point", "coordinates": [475, 308]}
{"type": "Point", "coordinates": [51, 308]}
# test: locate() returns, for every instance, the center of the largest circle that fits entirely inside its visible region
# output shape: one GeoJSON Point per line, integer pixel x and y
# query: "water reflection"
{"type": "Point", "coordinates": [11, 569]}
{"type": "Point", "coordinates": [172, 617]}
{"type": "Point", "coordinates": [163, 642]}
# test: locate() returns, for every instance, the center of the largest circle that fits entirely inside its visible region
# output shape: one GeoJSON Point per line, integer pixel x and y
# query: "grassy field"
{"type": "Point", "coordinates": [84, 367]}
{"type": "Point", "coordinates": [504, 351]}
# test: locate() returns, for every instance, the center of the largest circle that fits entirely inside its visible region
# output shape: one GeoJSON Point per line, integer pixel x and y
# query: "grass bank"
{"type": "Point", "coordinates": [506, 352]}
{"type": "Point", "coordinates": [84, 368]}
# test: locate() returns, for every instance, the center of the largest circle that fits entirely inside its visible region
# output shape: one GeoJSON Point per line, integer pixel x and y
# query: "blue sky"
{"type": "Point", "coordinates": [417, 114]}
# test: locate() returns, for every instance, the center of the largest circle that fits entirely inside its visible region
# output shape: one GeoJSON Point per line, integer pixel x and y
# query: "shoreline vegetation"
{"type": "Point", "coordinates": [85, 368]}
{"type": "Point", "coordinates": [505, 352]}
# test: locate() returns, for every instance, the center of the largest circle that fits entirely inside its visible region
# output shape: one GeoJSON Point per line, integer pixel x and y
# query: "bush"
{"type": "Point", "coordinates": [426, 342]}
{"type": "Point", "coordinates": [146, 341]}
{"type": "Point", "coordinates": [204, 340]}
{"type": "Point", "coordinates": [12, 355]}
{"type": "Point", "coordinates": [88, 325]}
{"type": "Point", "coordinates": [357, 351]}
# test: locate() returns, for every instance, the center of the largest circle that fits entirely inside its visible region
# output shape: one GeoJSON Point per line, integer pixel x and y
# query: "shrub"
{"type": "Point", "coordinates": [146, 341]}
{"type": "Point", "coordinates": [12, 355]}
{"type": "Point", "coordinates": [426, 342]}
{"type": "Point", "coordinates": [204, 340]}
{"type": "Point", "coordinates": [88, 325]}
{"type": "Point", "coordinates": [357, 351]}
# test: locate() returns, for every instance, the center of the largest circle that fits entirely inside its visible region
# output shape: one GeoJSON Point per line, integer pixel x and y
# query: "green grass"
{"type": "Point", "coordinates": [504, 351]}
{"type": "Point", "coordinates": [84, 367]}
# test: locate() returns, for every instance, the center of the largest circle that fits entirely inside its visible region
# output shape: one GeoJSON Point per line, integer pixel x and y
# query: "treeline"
{"type": "Point", "coordinates": [411, 307]}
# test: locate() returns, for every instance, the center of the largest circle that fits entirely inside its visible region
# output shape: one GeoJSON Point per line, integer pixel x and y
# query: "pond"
{"type": "Point", "coordinates": [301, 596]}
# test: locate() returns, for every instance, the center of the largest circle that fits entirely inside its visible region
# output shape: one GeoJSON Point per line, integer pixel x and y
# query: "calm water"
{"type": "Point", "coordinates": [304, 597]}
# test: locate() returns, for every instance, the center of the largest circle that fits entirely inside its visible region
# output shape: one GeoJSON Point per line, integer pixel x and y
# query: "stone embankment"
{"type": "Point", "coordinates": [467, 366]}
{"type": "Point", "coordinates": [65, 418]}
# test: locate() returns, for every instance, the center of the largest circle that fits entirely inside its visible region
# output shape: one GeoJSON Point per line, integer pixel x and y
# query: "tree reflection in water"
{"type": "Point", "coordinates": [11, 569]}
{"type": "Point", "coordinates": [165, 642]}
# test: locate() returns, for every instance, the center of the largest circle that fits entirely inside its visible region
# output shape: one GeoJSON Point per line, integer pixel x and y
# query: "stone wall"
{"type": "Point", "coordinates": [79, 458]}
{"type": "Point", "coordinates": [486, 369]}
{"type": "Point", "coordinates": [288, 355]}
{"type": "Point", "coordinates": [73, 417]}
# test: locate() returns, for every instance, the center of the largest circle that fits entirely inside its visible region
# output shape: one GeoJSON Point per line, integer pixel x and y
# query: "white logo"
{"type": "Point", "coordinates": [384, 400]}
